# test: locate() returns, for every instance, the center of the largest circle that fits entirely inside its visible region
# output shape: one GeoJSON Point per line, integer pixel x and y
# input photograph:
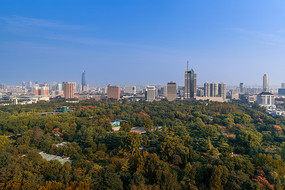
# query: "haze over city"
{"type": "Point", "coordinates": [142, 42]}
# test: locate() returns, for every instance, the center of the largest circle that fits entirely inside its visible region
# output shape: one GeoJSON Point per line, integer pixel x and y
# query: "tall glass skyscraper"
{"type": "Point", "coordinates": [83, 82]}
{"type": "Point", "coordinates": [190, 84]}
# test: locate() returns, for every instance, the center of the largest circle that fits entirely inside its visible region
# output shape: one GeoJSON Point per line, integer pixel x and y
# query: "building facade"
{"type": "Point", "coordinates": [190, 84]}
{"type": "Point", "coordinates": [83, 82]}
{"type": "Point", "coordinates": [222, 90]}
{"type": "Point", "coordinates": [207, 89]}
{"type": "Point", "coordinates": [171, 91]}
{"type": "Point", "coordinates": [113, 92]}
{"type": "Point", "coordinates": [41, 90]}
{"type": "Point", "coordinates": [265, 83]}
{"type": "Point", "coordinates": [241, 87]}
{"type": "Point", "coordinates": [150, 93]}
{"type": "Point", "coordinates": [213, 89]}
{"type": "Point", "coordinates": [281, 92]}
{"type": "Point", "coordinates": [68, 90]}
{"type": "Point", "coordinates": [130, 90]}
{"type": "Point", "coordinates": [265, 99]}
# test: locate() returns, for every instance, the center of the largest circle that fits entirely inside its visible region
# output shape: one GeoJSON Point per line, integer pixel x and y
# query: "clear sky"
{"type": "Point", "coordinates": [141, 42]}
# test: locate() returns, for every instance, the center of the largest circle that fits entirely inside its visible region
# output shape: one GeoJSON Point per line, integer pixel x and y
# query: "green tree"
{"type": "Point", "coordinates": [215, 181]}
{"type": "Point", "coordinates": [132, 141]}
{"type": "Point", "coordinates": [147, 124]}
{"type": "Point", "coordinates": [106, 179]}
{"type": "Point", "coordinates": [125, 127]}
{"type": "Point", "coordinates": [3, 140]}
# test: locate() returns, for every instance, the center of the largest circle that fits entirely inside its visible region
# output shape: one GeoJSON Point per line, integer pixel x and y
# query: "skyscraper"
{"type": "Point", "coordinates": [59, 86]}
{"type": "Point", "coordinates": [150, 93]}
{"type": "Point", "coordinates": [265, 83]}
{"type": "Point", "coordinates": [207, 89]}
{"type": "Point", "coordinates": [241, 86]}
{"type": "Point", "coordinates": [113, 92]}
{"type": "Point", "coordinates": [68, 90]}
{"type": "Point", "coordinates": [2, 86]}
{"type": "Point", "coordinates": [171, 91]}
{"type": "Point", "coordinates": [222, 90]}
{"type": "Point", "coordinates": [83, 82]}
{"type": "Point", "coordinates": [213, 89]}
{"type": "Point", "coordinates": [190, 84]}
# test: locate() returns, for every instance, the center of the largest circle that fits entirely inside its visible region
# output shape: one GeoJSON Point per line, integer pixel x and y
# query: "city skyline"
{"type": "Point", "coordinates": [83, 81]}
{"type": "Point", "coordinates": [117, 43]}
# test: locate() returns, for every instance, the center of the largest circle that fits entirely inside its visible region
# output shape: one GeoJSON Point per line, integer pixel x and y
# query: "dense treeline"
{"type": "Point", "coordinates": [188, 145]}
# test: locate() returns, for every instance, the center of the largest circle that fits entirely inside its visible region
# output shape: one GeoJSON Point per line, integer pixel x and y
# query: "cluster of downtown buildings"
{"type": "Point", "coordinates": [171, 92]}
{"type": "Point", "coordinates": [71, 90]}
{"type": "Point", "coordinates": [33, 92]}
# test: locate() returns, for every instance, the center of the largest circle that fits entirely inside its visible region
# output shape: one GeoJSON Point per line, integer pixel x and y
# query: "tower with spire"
{"type": "Point", "coordinates": [190, 83]}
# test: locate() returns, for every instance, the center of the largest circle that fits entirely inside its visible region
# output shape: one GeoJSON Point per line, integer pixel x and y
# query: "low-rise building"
{"type": "Point", "coordinates": [266, 99]}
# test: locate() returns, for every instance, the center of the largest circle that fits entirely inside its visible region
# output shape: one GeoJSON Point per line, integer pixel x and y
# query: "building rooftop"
{"type": "Point", "coordinates": [265, 93]}
{"type": "Point", "coordinates": [49, 157]}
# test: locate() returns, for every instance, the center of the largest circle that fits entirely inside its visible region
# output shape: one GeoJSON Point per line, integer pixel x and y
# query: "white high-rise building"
{"type": "Point", "coordinates": [59, 87]}
{"type": "Point", "coordinates": [213, 89]}
{"type": "Point", "coordinates": [150, 93]}
{"type": "Point", "coordinates": [207, 89]}
{"type": "Point", "coordinates": [265, 83]}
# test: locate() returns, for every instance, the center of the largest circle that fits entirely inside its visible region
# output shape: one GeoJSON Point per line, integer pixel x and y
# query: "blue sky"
{"type": "Point", "coordinates": [141, 42]}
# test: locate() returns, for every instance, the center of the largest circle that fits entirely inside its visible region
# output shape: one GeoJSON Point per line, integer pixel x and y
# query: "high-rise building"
{"type": "Point", "coordinates": [265, 83]}
{"type": "Point", "coordinates": [190, 84]}
{"type": "Point", "coordinates": [59, 86]}
{"type": "Point", "coordinates": [213, 89]}
{"type": "Point", "coordinates": [200, 92]}
{"type": "Point", "coordinates": [30, 85]}
{"type": "Point", "coordinates": [171, 91]}
{"type": "Point", "coordinates": [164, 91]}
{"type": "Point", "coordinates": [150, 93]}
{"type": "Point", "coordinates": [68, 90]}
{"type": "Point", "coordinates": [222, 90]}
{"type": "Point", "coordinates": [130, 90]}
{"type": "Point", "coordinates": [113, 92]}
{"type": "Point", "coordinates": [2, 86]}
{"type": "Point", "coordinates": [281, 92]}
{"type": "Point", "coordinates": [181, 91]}
{"type": "Point", "coordinates": [207, 89]}
{"type": "Point", "coordinates": [23, 84]}
{"type": "Point", "coordinates": [241, 87]}
{"type": "Point", "coordinates": [36, 89]}
{"type": "Point", "coordinates": [161, 92]}
{"type": "Point", "coordinates": [41, 89]}
{"type": "Point", "coordinates": [44, 90]}
{"type": "Point", "coordinates": [83, 82]}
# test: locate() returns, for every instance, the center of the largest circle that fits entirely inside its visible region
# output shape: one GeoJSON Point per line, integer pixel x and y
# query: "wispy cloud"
{"type": "Point", "coordinates": [91, 41]}
{"type": "Point", "coordinates": [18, 21]}
{"type": "Point", "coordinates": [46, 31]}
{"type": "Point", "coordinates": [260, 37]}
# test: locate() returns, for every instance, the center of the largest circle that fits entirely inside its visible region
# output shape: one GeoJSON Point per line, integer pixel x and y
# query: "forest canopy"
{"type": "Point", "coordinates": [185, 145]}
